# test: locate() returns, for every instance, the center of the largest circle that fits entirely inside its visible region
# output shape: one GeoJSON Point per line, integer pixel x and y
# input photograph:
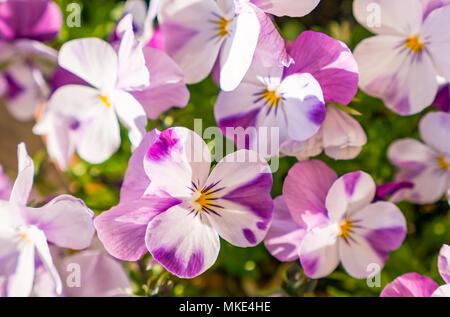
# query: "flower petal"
{"type": "Point", "coordinates": [178, 158]}
{"type": "Point", "coordinates": [65, 220]}
{"type": "Point", "coordinates": [386, 16]}
{"type": "Point", "coordinates": [444, 263]}
{"type": "Point", "coordinates": [237, 53]}
{"type": "Point", "coordinates": [24, 181]}
{"type": "Point", "coordinates": [191, 38]}
{"type": "Point", "coordinates": [438, 42]}
{"type": "Point", "coordinates": [319, 251]}
{"type": "Point", "coordinates": [38, 20]}
{"type": "Point", "coordinates": [343, 136]}
{"type": "Point", "coordinates": [383, 226]}
{"type": "Point", "coordinates": [186, 245]}
{"type": "Point", "coordinates": [245, 204]}
{"type": "Point", "coordinates": [287, 7]}
{"type": "Point", "coordinates": [330, 62]}
{"type": "Point", "coordinates": [442, 291]}
{"type": "Point", "coordinates": [284, 237]}
{"type": "Point", "coordinates": [305, 189]}
{"type": "Point", "coordinates": [410, 285]}
{"type": "Point", "coordinates": [91, 59]}
{"type": "Point", "coordinates": [435, 129]}
{"type": "Point", "coordinates": [21, 282]}
{"type": "Point", "coordinates": [167, 88]}
{"type": "Point", "coordinates": [103, 276]}
{"type": "Point", "coordinates": [303, 104]}
{"type": "Point", "coordinates": [135, 181]}
{"type": "Point", "coordinates": [349, 194]}
{"type": "Point", "coordinates": [101, 138]}
{"type": "Point", "coordinates": [131, 115]}
{"type": "Point", "coordinates": [122, 228]}
{"type": "Point", "coordinates": [391, 72]}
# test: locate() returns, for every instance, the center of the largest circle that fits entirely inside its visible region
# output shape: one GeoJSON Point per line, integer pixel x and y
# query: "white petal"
{"type": "Point", "coordinates": [131, 115]}
{"type": "Point", "coordinates": [91, 59]}
{"type": "Point", "coordinates": [24, 181]}
{"type": "Point", "coordinates": [238, 51]}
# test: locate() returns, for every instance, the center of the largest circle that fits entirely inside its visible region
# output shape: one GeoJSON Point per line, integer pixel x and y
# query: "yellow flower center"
{"type": "Point", "coordinates": [443, 164]}
{"type": "Point", "coordinates": [415, 44]}
{"type": "Point", "coordinates": [105, 100]}
{"type": "Point", "coordinates": [271, 97]}
{"type": "Point", "coordinates": [223, 27]}
{"type": "Point", "coordinates": [346, 228]}
{"type": "Point", "coordinates": [24, 237]}
{"type": "Point", "coordinates": [203, 200]}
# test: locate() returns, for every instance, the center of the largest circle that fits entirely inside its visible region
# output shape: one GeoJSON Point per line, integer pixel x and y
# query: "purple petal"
{"type": "Point", "coordinates": [329, 61]}
{"type": "Point", "coordinates": [305, 190]}
{"type": "Point", "coordinates": [39, 20]}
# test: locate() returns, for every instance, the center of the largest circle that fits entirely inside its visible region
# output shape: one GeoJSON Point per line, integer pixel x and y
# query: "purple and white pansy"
{"type": "Point", "coordinates": [175, 208]}
{"type": "Point", "coordinates": [416, 285]}
{"type": "Point", "coordinates": [25, 232]}
{"type": "Point", "coordinates": [226, 33]}
{"type": "Point", "coordinates": [24, 60]}
{"type": "Point", "coordinates": [401, 63]}
{"type": "Point", "coordinates": [426, 164]}
{"type": "Point", "coordinates": [105, 95]}
{"type": "Point", "coordinates": [343, 223]}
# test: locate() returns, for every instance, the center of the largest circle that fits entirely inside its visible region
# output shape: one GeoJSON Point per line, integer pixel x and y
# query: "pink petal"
{"type": "Point", "coordinates": [410, 285]}
{"type": "Point", "coordinates": [305, 190]}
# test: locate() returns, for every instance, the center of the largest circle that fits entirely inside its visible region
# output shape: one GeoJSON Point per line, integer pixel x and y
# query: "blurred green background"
{"type": "Point", "coordinates": [252, 271]}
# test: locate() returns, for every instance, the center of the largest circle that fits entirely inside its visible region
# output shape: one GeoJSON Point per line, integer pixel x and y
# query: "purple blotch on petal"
{"type": "Point", "coordinates": [318, 113]}
{"type": "Point", "coordinates": [350, 181]}
{"type": "Point", "coordinates": [249, 235]}
{"type": "Point", "coordinates": [162, 147]}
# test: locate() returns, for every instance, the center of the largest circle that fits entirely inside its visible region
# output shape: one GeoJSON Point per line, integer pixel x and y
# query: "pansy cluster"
{"type": "Point", "coordinates": [177, 201]}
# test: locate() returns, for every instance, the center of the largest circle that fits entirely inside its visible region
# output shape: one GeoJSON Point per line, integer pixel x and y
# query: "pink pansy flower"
{"type": "Point", "coordinates": [334, 67]}
{"type": "Point", "coordinates": [343, 224]}
{"type": "Point", "coordinates": [24, 24]}
{"type": "Point", "coordinates": [225, 35]}
{"type": "Point", "coordinates": [65, 221]}
{"type": "Point", "coordinates": [95, 111]}
{"type": "Point", "coordinates": [175, 208]}
{"type": "Point", "coordinates": [427, 164]}
{"type": "Point", "coordinates": [65, 132]}
{"type": "Point", "coordinates": [271, 97]}
{"type": "Point", "coordinates": [416, 285]}
{"type": "Point", "coordinates": [101, 274]}
{"type": "Point", "coordinates": [401, 63]}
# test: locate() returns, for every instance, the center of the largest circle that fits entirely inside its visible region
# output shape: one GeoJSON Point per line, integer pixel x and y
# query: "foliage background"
{"type": "Point", "coordinates": [238, 271]}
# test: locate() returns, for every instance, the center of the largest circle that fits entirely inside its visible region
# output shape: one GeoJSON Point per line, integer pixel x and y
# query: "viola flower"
{"type": "Point", "coordinates": [174, 208]}
{"type": "Point", "coordinates": [95, 111]}
{"type": "Point", "coordinates": [65, 221]}
{"type": "Point", "coordinates": [416, 285]}
{"type": "Point", "coordinates": [332, 64]}
{"type": "Point", "coordinates": [427, 164]}
{"type": "Point", "coordinates": [331, 72]}
{"type": "Point", "coordinates": [226, 29]}
{"type": "Point", "coordinates": [400, 64]}
{"type": "Point", "coordinates": [442, 100]}
{"type": "Point", "coordinates": [23, 26]}
{"type": "Point", "coordinates": [343, 225]}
